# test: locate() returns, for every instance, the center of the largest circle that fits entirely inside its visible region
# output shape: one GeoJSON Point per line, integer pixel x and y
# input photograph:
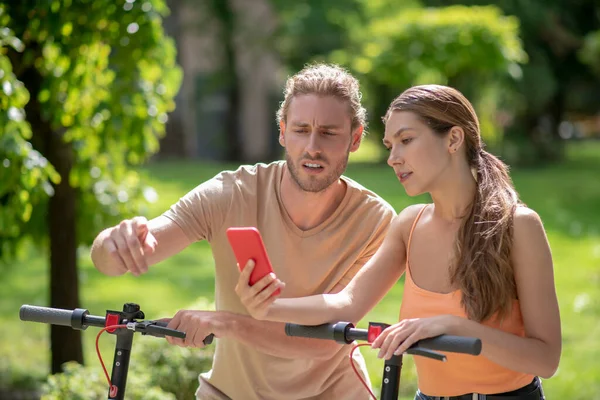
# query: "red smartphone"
{"type": "Point", "coordinates": [247, 244]}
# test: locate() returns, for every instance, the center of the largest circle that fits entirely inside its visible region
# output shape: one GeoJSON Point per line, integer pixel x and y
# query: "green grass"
{"type": "Point", "coordinates": [566, 196]}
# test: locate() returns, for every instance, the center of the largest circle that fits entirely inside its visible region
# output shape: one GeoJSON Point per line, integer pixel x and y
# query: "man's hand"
{"type": "Point", "coordinates": [259, 297]}
{"type": "Point", "coordinates": [128, 243]}
{"type": "Point", "coordinates": [197, 325]}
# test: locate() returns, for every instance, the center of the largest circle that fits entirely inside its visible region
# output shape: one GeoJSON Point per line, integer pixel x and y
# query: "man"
{"type": "Point", "coordinates": [318, 226]}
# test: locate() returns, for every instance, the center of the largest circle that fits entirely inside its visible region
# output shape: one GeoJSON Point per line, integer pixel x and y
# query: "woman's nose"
{"type": "Point", "coordinates": [395, 158]}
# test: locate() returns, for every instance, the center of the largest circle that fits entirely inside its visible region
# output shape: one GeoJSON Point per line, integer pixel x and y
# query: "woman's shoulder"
{"type": "Point", "coordinates": [526, 219]}
{"type": "Point", "coordinates": [404, 220]}
{"type": "Point", "coordinates": [528, 229]}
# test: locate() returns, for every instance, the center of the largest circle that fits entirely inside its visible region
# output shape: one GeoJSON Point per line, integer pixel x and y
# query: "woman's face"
{"type": "Point", "coordinates": [418, 155]}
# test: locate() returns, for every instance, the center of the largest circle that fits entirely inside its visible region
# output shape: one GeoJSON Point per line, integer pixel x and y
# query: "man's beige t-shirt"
{"type": "Point", "coordinates": [309, 262]}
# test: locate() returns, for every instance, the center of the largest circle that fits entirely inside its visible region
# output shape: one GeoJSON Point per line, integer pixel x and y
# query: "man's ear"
{"type": "Point", "coordinates": [356, 138]}
{"type": "Point", "coordinates": [281, 133]}
{"type": "Point", "coordinates": [456, 138]}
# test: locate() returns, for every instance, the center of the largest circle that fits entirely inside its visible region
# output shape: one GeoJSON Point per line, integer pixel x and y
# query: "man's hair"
{"type": "Point", "coordinates": [326, 80]}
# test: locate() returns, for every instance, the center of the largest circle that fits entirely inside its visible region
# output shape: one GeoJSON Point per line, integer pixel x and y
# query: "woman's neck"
{"type": "Point", "coordinates": [454, 194]}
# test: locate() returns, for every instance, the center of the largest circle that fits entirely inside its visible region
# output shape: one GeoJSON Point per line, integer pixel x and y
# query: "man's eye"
{"type": "Point", "coordinates": [329, 133]}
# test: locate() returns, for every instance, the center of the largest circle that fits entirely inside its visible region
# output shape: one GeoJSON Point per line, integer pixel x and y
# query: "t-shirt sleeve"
{"type": "Point", "coordinates": [203, 210]}
{"type": "Point", "coordinates": [375, 241]}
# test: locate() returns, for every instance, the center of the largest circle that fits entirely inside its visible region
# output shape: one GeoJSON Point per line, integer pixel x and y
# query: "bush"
{"type": "Point", "coordinates": [174, 369]}
{"type": "Point", "coordinates": [84, 383]}
{"type": "Point", "coordinates": [157, 371]}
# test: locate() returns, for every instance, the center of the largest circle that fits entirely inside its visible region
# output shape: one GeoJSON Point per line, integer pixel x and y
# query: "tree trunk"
{"type": "Point", "coordinates": [225, 14]}
{"type": "Point", "coordinates": [65, 343]}
{"type": "Point", "coordinates": [64, 284]}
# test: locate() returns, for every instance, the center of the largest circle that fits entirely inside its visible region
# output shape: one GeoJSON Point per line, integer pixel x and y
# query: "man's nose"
{"type": "Point", "coordinates": [313, 146]}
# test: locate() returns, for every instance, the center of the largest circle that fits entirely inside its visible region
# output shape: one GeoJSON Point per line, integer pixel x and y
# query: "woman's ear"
{"type": "Point", "coordinates": [456, 138]}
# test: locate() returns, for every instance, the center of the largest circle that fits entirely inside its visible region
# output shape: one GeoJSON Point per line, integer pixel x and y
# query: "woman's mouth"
{"type": "Point", "coordinates": [404, 176]}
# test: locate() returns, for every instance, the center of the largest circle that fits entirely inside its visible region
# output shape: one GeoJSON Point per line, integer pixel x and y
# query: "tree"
{"type": "Point", "coordinates": [311, 29]}
{"type": "Point", "coordinates": [86, 90]}
{"type": "Point", "coordinates": [558, 80]}
{"type": "Point", "coordinates": [475, 49]}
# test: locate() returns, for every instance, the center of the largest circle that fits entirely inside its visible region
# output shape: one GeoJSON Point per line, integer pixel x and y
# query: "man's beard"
{"type": "Point", "coordinates": [315, 184]}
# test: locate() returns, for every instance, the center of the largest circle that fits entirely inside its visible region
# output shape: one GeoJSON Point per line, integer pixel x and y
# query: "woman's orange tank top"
{"type": "Point", "coordinates": [461, 373]}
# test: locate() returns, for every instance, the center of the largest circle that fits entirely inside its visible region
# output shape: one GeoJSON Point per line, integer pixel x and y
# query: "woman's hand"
{"type": "Point", "coordinates": [259, 297]}
{"type": "Point", "coordinates": [396, 339]}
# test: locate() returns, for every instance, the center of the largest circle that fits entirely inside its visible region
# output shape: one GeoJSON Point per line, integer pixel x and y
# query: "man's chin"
{"type": "Point", "coordinates": [312, 185]}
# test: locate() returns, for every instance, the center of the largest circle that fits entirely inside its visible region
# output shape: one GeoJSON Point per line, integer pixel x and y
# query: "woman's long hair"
{"type": "Point", "coordinates": [482, 270]}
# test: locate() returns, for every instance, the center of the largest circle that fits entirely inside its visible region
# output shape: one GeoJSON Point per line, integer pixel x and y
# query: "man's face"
{"type": "Point", "coordinates": [318, 140]}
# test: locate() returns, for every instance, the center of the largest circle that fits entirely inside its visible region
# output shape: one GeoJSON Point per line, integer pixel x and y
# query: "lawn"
{"type": "Point", "coordinates": [567, 197]}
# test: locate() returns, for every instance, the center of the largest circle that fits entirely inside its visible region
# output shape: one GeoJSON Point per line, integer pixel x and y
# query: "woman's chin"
{"type": "Point", "coordinates": [411, 192]}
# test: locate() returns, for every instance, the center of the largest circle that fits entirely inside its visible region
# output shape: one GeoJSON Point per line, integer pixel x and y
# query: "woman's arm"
{"type": "Point", "coordinates": [363, 292]}
{"type": "Point", "coordinates": [538, 353]}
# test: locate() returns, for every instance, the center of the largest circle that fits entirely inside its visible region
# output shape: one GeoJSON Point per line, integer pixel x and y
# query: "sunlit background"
{"type": "Point", "coordinates": [112, 108]}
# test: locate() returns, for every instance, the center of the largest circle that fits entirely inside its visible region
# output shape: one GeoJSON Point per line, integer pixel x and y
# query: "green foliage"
{"type": "Point", "coordinates": [558, 80]}
{"type": "Point", "coordinates": [173, 368]}
{"type": "Point", "coordinates": [311, 29]}
{"type": "Point", "coordinates": [158, 371]}
{"type": "Point", "coordinates": [84, 383]}
{"type": "Point", "coordinates": [475, 49]}
{"type": "Point", "coordinates": [101, 76]}
{"type": "Point", "coordinates": [424, 45]}
{"type": "Point", "coordinates": [590, 51]}
{"type": "Point", "coordinates": [25, 174]}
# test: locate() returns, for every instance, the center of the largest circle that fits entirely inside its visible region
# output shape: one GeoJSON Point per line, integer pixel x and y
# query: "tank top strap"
{"type": "Point", "coordinates": [412, 228]}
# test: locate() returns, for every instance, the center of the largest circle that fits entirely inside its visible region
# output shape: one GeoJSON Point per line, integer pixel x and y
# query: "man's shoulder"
{"type": "Point", "coordinates": [368, 199]}
{"type": "Point", "coordinates": [248, 174]}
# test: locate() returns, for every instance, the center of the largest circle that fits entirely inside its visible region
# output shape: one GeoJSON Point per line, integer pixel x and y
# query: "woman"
{"type": "Point", "coordinates": [477, 260]}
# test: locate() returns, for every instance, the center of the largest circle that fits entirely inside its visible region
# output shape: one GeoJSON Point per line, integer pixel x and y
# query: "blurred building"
{"type": "Point", "coordinates": [220, 109]}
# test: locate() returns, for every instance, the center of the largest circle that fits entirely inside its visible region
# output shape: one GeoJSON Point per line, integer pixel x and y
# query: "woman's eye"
{"type": "Point", "coordinates": [406, 140]}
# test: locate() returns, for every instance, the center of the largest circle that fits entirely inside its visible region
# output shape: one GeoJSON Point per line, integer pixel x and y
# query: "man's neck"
{"type": "Point", "coordinates": [307, 209]}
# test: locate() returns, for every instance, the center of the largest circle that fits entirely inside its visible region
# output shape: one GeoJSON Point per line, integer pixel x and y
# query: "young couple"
{"type": "Point", "coordinates": [477, 261]}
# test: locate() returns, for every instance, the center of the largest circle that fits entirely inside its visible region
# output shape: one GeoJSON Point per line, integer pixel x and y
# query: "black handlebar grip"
{"type": "Point", "coordinates": [54, 316]}
{"type": "Point", "coordinates": [453, 344]}
{"type": "Point", "coordinates": [335, 332]}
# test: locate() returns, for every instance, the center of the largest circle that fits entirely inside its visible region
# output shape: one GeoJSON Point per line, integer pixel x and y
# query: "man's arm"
{"type": "Point", "coordinates": [265, 336]}
{"type": "Point", "coordinates": [135, 244]}
{"type": "Point", "coordinates": [270, 338]}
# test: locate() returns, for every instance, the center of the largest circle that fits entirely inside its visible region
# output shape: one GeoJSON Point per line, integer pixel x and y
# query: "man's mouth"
{"type": "Point", "coordinates": [312, 165]}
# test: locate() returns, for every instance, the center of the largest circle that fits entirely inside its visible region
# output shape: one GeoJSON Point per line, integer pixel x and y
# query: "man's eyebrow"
{"type": "Point", "coordinates": [305, 124]}
{"type": "Point", "coordinates": [299, 123]}
{"type": "Point", "coordinates": [330, 126]}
